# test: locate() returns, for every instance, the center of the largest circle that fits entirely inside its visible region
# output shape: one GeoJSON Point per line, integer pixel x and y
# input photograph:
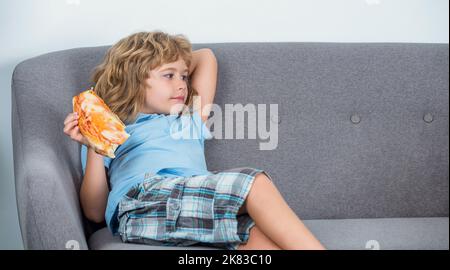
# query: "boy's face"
{"type": "Point", "coordinates": [166, 88]}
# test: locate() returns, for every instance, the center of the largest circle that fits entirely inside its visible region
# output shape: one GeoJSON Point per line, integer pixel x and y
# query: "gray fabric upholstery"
{"type": "Point", "coordinates": [338, 234]}
{"type": "Point", "coordinates": [104, 240]}
{"type": "Point", "coordinates": [363, 133]}
{"type": "Point", "coordinates": [382, 233]}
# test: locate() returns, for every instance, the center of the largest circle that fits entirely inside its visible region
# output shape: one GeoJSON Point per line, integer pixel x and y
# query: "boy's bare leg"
{"type": "Point", "coordinates": [275, 218]}
{"type": "Point", "coordinates": [257, 240]}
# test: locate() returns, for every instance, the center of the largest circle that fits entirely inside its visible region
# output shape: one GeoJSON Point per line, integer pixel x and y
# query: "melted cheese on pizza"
{"type": "Point", "coordinates": [102, 128]}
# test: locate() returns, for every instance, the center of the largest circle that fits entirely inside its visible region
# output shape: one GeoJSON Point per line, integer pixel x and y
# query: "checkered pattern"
{"type": "Point", "coordinates": [184, 211]}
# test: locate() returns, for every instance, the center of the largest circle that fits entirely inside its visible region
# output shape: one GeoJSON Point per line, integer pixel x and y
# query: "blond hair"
{"type": "Point", "coordinates": [119, 79]}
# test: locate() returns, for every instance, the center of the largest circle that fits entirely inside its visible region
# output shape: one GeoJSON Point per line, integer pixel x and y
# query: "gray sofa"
{"type": "Point", "coordinates": [362, 152]}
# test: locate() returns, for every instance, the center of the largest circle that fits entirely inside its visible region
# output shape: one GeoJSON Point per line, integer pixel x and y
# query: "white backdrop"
{"type": "Point", "coordinates": [32, 27]}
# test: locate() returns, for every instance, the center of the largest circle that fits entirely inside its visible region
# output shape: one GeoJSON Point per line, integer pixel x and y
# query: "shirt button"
{"type": "Point", "coordinates": [175, 206]}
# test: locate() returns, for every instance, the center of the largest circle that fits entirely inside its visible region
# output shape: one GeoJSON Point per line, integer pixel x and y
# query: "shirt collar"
{"type": "Point", "coordinates": [141, 117]}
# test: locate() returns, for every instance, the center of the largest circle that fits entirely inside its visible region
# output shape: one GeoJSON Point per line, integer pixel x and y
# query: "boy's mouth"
{"type": "Point", "coordinates": [179, 98]}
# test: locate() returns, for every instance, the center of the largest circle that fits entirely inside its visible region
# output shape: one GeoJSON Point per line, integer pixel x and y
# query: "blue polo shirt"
{"type": "Point", "coordinates": [162, 144]}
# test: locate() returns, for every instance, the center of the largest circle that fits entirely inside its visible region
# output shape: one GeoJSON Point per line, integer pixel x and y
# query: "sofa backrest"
{"type": "Point", "coordinates": [362, 130]}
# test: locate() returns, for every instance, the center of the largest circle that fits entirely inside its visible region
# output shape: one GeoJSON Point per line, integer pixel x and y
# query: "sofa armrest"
{"type": "Point", "coordinates": [46, 193]}
{"type": "Point", "coordinates": [48, 205]}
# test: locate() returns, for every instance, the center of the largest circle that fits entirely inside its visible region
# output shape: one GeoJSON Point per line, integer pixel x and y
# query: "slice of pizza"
{"type": "Point", "coordinates": [102, 128]}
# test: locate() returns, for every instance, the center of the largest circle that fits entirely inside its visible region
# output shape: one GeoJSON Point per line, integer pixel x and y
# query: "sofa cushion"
{"type": "Point", "coordinates": [338, 234]}
{"type": "Point", "coordinates": [382, 233]}
{"type": "Point", "coordinates": [104, 240]}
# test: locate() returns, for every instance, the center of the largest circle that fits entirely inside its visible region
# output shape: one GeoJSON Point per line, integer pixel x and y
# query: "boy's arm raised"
{"type": "Point", "coordinates": [203, 73]}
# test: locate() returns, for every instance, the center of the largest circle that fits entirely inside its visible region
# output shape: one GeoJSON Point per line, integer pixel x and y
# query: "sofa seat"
{"type": "Point", "coordinates": [336, 234]}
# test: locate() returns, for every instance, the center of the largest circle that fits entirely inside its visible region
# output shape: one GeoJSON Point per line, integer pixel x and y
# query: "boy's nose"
{"type": "Point", "coordinates": [181, 85]}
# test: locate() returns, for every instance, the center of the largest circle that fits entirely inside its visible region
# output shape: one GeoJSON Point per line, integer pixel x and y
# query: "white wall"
{"type": "Point", "coordinates": [30, 27]}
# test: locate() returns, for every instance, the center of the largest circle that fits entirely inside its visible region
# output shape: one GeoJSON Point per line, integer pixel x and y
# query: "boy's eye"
{"type": "Point", "coordinates": [185, 77]}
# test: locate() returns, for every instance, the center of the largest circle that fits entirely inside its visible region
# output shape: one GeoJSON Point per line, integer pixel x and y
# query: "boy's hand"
{"type": "Point", "coordinates": [72, 130]}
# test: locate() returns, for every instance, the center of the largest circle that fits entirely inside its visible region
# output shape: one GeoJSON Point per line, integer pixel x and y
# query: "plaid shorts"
{"type": "Point", "coordinates": [185, 211]}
